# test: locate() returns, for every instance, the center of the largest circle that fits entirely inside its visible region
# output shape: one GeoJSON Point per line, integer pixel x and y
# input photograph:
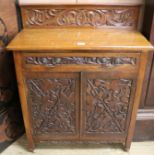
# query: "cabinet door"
{"type": "Point", "coordinates": [53, 100]}
{"type": "Point", "coordinates": [107, 100]}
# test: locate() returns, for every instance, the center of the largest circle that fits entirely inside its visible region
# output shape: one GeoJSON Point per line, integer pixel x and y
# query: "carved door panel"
{"type": "Point", "coordinates": [106, 105]}
{"type": "Point", "coordinates": [53, 100]}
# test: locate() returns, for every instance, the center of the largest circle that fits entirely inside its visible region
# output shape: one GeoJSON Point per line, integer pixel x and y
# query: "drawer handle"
{"type": "Point", "coordinates": [103, 61]}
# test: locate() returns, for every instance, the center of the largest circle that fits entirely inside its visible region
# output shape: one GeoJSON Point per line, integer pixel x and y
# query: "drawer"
{"type": "Point", "coordinates": [79, 62]}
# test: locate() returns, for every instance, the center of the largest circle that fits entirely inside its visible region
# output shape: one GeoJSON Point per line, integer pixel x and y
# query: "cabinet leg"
{"type": "Point", "coordinates": [31, 147]}
{"type": "Point", "coordinates": [31, 144]}
{"type": "Point", "coordinates": [127, 146]}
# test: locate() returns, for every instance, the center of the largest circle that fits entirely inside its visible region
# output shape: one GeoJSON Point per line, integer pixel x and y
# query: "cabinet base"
{"type": "Point", "coordinates": [79, 144]}
{"type": "Point", "coordinates": [144, 130]}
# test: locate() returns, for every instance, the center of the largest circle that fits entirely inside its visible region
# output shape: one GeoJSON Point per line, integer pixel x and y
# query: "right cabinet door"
{"type": "Point", "coordinates": [106, 105]}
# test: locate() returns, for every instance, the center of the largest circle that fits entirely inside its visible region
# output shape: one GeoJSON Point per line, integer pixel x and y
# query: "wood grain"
{"type": "Point", "coordinates": [78, 39]}
{"type": "Point", "coordinates": [23, 99]}
{"type": "Point", "coordinates": [104, 112]}
{"type": "Point", "coordinates": [109, 66]}
{"type": "Point", "coordinates": [101, 16]}
{"type": "Point", "coordinates": [58, 116]}
{"type": "Point", "coordinates": [140, 83]}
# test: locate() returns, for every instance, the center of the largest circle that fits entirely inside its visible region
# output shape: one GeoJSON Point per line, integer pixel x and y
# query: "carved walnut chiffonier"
{"type": "Point", "coordinates": [80, 71]}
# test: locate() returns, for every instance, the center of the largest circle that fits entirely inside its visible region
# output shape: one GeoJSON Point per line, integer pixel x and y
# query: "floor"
{"type": "Point", "coordinates": [20, 148]}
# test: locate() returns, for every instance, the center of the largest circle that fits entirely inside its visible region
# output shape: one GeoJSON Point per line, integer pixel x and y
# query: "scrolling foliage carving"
{"type": "Point", "coordinates": [6, 88]}
{"type": "Point", "coordinates": [107, 104]}
{"type": "Point", "coordinates": [104, 61]}
{"type": "Point", "coordinates": [52, 103]}
{"type": "Point", "coordinates": [76, 16]}
{"type": "Point", "coordinates": [3, 31]}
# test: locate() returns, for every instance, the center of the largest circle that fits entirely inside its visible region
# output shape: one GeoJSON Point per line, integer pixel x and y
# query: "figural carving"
{"type": "Point", "coordinates": [52, 102]}
{"type": "Point", "coordinates": [3, 31]}
{"type": "Point", "coordinates": [107, 105]}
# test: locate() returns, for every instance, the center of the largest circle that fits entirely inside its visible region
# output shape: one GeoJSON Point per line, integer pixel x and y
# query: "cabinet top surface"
{"type": "Point", "coordinates": [76, 2]}
{"type": "Point", "coordinates": [78, 39]}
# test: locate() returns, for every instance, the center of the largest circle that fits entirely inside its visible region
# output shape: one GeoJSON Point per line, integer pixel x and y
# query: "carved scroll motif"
{"type": "Point", "coordinates": [104, 61]}
{"type": "Point", "coordinates": [95, 17]}
{"type": "Point", "coordinates": [107, 105]}
{"type": "Point", "coordinates": [6, 94]}
{"type": "Point", "coordinates": [3, 31]}
{"type": "Point", "coordinates": [52, 103]}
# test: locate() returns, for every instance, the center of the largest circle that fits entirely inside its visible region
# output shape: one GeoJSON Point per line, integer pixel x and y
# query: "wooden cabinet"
{"type": "Point", "coordinates": [80, 95]}
{"type": "Point", "coordinates": [82, 84]}
{"type": "Point", "coordinates": [85, 97]}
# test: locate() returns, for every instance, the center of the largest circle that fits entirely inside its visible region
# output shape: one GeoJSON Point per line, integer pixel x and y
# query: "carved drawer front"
{"type": "Point", "coordinates": [77, 62]}
{"type": "Point", "coordinates": [80, 16]}
{"type": "Point", "coordinates": [106, 106]}
{"type": "Point", "coordinates": [53, 100]}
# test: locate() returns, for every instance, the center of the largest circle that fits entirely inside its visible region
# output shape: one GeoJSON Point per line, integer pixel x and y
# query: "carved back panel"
{"type": "Point", "coordinates": [80, 16]}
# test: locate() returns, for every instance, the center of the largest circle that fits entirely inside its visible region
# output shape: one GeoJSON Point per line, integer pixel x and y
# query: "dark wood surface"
{"type": "Point", "coordinates": [58, 105]}
{"type": "Point", "coordinates": [145, 125]}
{"type": "Point", "coordinates": [11, 124]}
{"type": "Point", "coordinates": [101, 115]}
{"type": "Point", "coordinates": [150, 94]}
{"type": "Point", "coordinates": [148, 17]}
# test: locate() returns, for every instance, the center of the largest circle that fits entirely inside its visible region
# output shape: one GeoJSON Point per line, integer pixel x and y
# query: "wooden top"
{"type": "Point", "coordinates": [78, 39]}
{"type": "Point", "coordinates": [76, 2]}
{"type": "Point", "coordinates": [46, 2]}
{"type": "Point", "coordinates": [111, 2]}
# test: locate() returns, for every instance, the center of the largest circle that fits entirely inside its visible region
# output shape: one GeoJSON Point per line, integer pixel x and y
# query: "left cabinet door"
{"type": "Point", "coordinates": [53, 101]}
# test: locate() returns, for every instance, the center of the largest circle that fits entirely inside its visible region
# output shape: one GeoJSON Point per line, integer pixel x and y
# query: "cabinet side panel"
{"type": "Point", "coordinates": [142, 70]}
{"type": "Point", "coordinates": [22, 94]}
